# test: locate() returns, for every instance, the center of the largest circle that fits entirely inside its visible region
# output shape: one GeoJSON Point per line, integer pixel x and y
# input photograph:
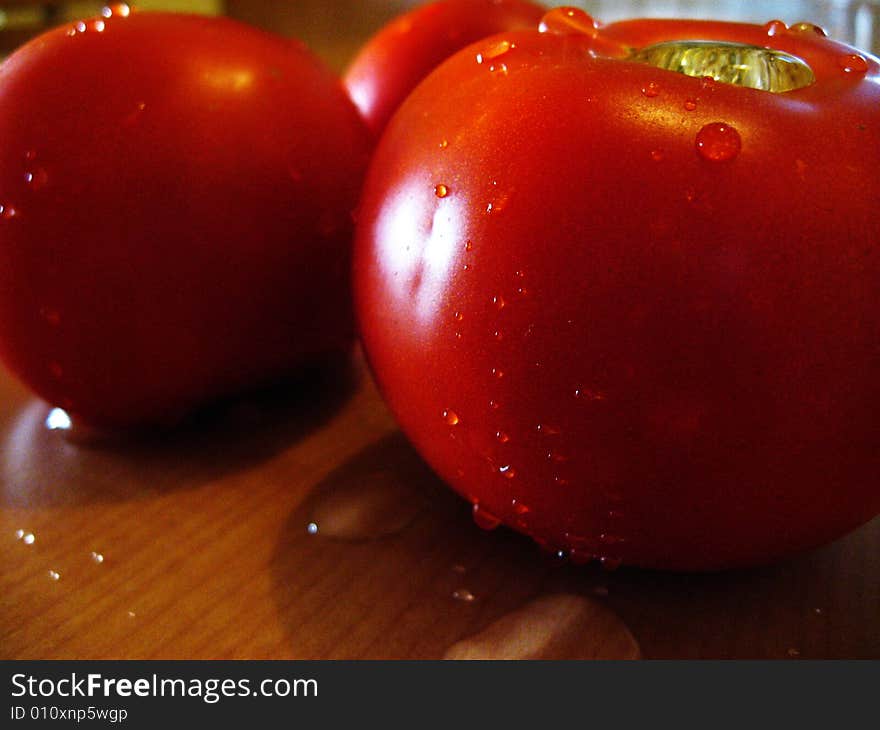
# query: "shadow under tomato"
{"type": "Point", "coordinates": [383, 561]}
{"type": "Point", "coordinates": [45, 467]}
{"type": "Point", "coordinates": [819, 605]}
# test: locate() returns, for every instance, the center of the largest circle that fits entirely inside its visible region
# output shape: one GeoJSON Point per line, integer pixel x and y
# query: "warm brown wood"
{"type": "Point", "coordinates": [206, 553]}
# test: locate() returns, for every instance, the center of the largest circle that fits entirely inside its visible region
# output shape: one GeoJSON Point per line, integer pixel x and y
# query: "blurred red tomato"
{"type": "Point", "coordinates": [631, 312]}
{"type": "Point", "coordinates": [176, 195]}
{"type": "Point", "coordinates": [406, 50]}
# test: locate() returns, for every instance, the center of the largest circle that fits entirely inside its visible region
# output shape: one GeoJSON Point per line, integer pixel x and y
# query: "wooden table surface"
{"type": "Point", "coordinates": [298, 523]}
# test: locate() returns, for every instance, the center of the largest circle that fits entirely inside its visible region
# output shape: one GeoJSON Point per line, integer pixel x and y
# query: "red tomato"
{"type": "Point", "coordinates": [176, 195]}
{"type": "Point", "coordinates": [633, 313]}
{"type": "Point", "coordinates": [406, 50]}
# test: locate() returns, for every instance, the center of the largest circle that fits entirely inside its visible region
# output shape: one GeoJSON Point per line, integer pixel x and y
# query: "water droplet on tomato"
{"type": "Point", "coordinates": [499, 67]}
{"type": "Point", "coordinates": [507, 471]}
{"type": "Point", "coordinates": [853, 63]}
{"type": "Point", "coordinates": [588, 395]}
{"type": "Point", "coordinates": [497, 373]}
{"type": "Point", "coordinates": [484, 519]}
{"type": "Point", "coordinates": [468, 245]}
{"type": "Point", "coordinates": [651, 89]}
{"type": "Point", "coordinates": [36, 178]}
{"type": "Point", "coordinates": [54, 575]}
{"type": "Point", "coordinates": [443, 144]}
{"type": "Point", "coordinates": [463, 595]}
{"type": "Point", "coordinates": [498, 335]}
{"type": "Point", "coordinates": [441, 190]}
{"type": "Point", "coordinates": [97, 558]}
{"type": "Point", "coordinates": [80, 27]}
{"type": "Point", "coordinates": [690, 105]}
{"type": "Point", "coordinates": [568, 20]}
{"type": "Point", "coordinates": [498, 301]}
{"type": "Point", "coordinates": [7, 211]}
{"type": "Point", "coordinates": [116, 10]}
{"type": "Point", "coordinates": [775, 27]}
{"type": "Point", "coordinates": [451, 417]}
{"type": "Point", "coordinates": [519, 508]}
{"type": "Point", "coordinates": [657, 155]}
{"type": "Point", "coordinates": [494, 405]}
{"type": "Point", "coordinates": [502, 437]}
{"type": "Point", "coordinates": [718, 142]}
{"type": "Point", "coordinates": [496, 49]}
{"type": "Point", "coordinates": [807, 28]}
{"type": "Point", "coordinates": [610, 563]}
{"type": "Point", "coordinates": [98, 26]}
{"type": "Point", "coordinates": [548, 430]}
{"type": "Point", "coordinates": [707, 83]}
{"type": "Point", "coordinates": [458, 316]}
{"type": "Point", "coordinates": [30, 155]}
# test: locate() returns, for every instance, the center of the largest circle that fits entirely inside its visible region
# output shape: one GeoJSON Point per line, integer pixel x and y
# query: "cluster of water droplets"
{"type": "Point", "coordinates": [27, 537]}
{"type": "Point", "coordinates": [98, 25]}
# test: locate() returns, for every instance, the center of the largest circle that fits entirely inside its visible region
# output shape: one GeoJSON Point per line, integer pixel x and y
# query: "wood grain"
{"type": "Point", "coordinates": [206, 552]}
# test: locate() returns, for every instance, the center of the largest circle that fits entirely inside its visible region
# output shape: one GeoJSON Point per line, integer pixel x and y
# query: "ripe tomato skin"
{"type": "Point", "coordinates": [606, 340]}
{"type": "Point", "coordinates": [394, 60]}
{"type": "Point", "coordinates": [177, 195]}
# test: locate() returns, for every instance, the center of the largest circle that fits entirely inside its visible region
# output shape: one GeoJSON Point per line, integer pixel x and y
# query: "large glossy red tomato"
{"type": "Point", "coordinates": [176, 194]}
{"type": "Point", "coordinates": [634, 312]}
{"type": "Point", "coordinates": [402, 53]}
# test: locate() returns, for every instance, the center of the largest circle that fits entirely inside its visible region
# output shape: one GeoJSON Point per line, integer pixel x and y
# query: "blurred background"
{"type": "Point", "coordinates": [335, 29]}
